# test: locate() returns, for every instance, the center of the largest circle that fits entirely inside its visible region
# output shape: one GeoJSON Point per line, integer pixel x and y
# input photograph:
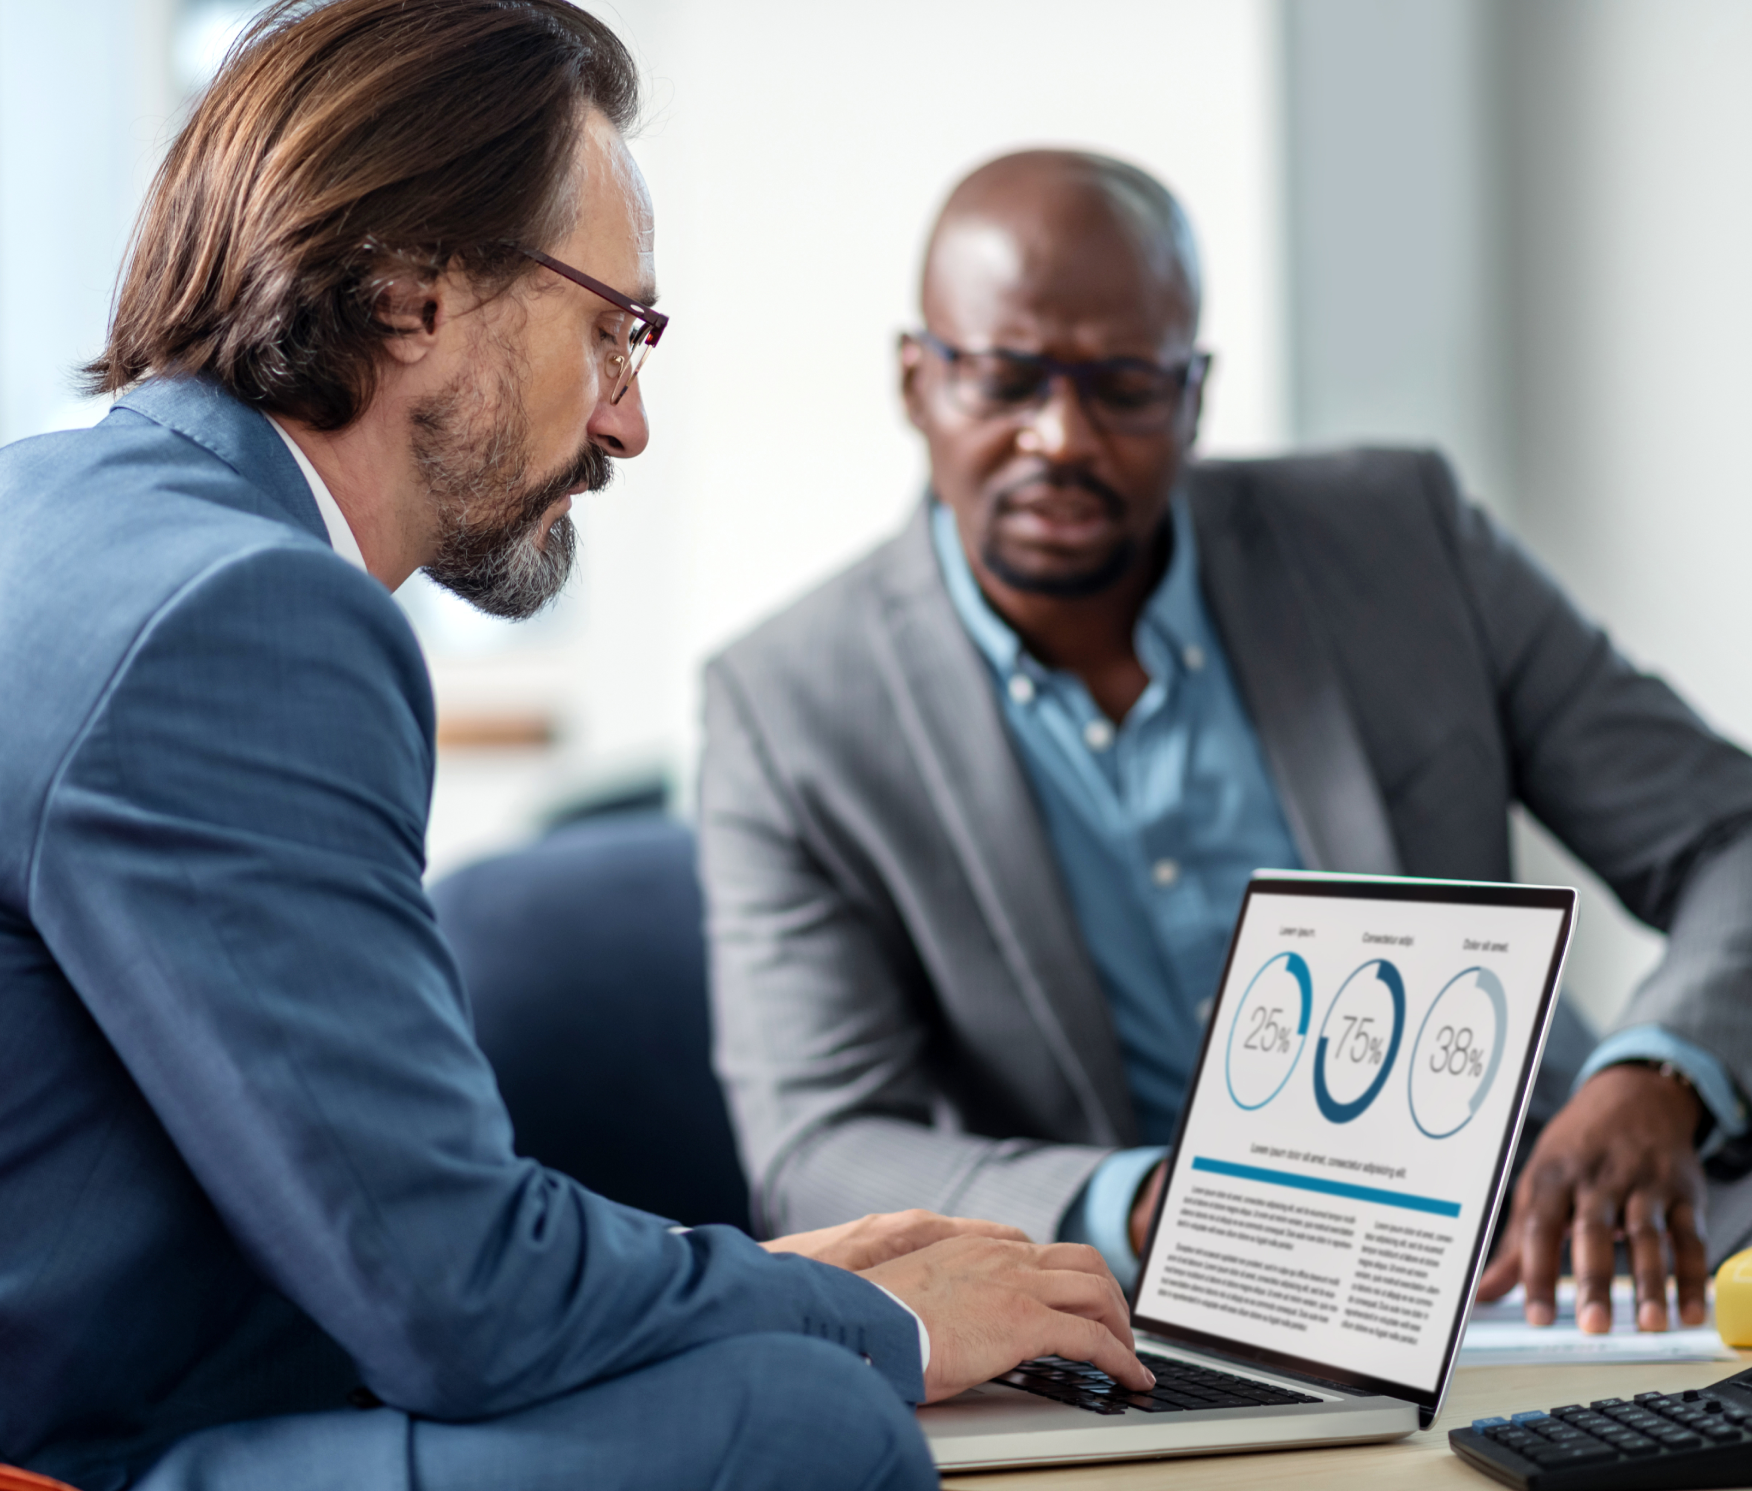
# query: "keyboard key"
{"type": "Point", "coordinates": [1532, 1416]}
{"type": "Point", "coordinates": [1551, 1457]}
{"type": "Point", "coordinates": [1149, 1404]}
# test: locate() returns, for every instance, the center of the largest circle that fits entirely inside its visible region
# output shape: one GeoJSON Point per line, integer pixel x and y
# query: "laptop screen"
{"type": "Point", "coordinates": [1343, 1147]}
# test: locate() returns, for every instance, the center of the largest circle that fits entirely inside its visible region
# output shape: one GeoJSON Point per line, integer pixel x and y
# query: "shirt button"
{"type": "Point", "coordinates": [1193, 656]}
{"type": "Point", "coordinates": [1098, 735]}
{"type": "Point", "coordinates": [1021, 688]}
{"type": "Point", "coordinates": [1165, 872]}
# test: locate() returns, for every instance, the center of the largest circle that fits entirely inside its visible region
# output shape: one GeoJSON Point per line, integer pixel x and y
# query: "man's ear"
{"type": "Point", "coordinates": [413, 311]}
{"type": "Point", "coordinates": [912, 358]}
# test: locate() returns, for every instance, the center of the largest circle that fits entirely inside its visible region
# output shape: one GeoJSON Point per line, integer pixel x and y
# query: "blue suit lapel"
{"type": "Point", "coordinates": [239, 436]}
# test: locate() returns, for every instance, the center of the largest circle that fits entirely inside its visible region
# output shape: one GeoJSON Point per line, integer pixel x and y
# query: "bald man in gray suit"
{"type": "Point", "coordinates": [976, 815]}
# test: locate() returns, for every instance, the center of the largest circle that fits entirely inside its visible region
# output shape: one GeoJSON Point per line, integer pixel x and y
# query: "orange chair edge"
{"type": "Point", "coordinates": [14, 1479]}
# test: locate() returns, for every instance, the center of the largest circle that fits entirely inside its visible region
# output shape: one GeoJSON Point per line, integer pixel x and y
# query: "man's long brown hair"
{"type": "Point", "coordinates": [343, 144]}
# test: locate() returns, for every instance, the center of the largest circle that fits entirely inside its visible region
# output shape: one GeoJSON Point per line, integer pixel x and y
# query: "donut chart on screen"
{"type": "Point", "coordinates": [1457, 1053]}
{"type": "Point", "coordinates": [1269, 1030]}
{"type": "Point", "coordinates": [1359, 1041]}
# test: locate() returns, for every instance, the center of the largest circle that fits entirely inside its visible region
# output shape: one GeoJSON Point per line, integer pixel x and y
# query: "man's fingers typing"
{"type": "Point", "coordinates": [1593, 1252]}
{"type": "Point", "coordinates": [1503, 1271]}
{"type": "Point", "coordinates": [1083, 1340]}
{"type": "Point", "coordinates": [1690, 1261]}
{"type": "Point", "coordinates": [1539, 1244]}
{"type": "Point", "coordinates": [1645, 1235]}
{"type": "Point", "coordinates": [990, 1303]}
{"type": "Point", "coordinates": [876, 1238]}
{"type": "Point", "coordinates": [1082, 1294]}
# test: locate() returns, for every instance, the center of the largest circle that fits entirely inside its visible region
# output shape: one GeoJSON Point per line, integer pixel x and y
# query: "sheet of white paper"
{"type": "Point", "coordinates": [1498, 1334]}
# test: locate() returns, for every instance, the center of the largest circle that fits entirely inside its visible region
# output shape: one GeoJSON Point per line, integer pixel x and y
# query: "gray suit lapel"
{"type": "Point", "coordinates": [1286, 674]}
{"type": "Point", "coordinates": [946, 711]}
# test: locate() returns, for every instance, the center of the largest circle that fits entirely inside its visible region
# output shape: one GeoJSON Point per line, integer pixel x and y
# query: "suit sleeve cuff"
{"type": "Point", "coordinates": [1101, 1214]}
{"type": "Point", "coordinates": [919, 1321]}
{"type": "Point", "coordinates": [1708, 1077]}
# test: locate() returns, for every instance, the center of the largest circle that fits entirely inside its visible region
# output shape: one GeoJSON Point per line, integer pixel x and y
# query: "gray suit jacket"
{"type": "Point", "coordinates": [906, 1012]}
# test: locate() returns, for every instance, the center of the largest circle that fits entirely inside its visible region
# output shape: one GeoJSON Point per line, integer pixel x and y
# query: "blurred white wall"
{"type": "Point", "coordinates": [1398, 320]}
{"type": "Point", "coordinates": [85, 94]}
{"type": "Point", "coordinates": [1632, 300]}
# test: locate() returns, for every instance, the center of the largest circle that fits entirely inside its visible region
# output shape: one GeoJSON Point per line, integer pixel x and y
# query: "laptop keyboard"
{"type": "Point", "coordinates": [1180, 1387]}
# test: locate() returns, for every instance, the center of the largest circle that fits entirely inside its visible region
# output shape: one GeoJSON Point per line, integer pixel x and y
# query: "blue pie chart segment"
{"type": "Point", "coordinates": [1359, 1041]}
{"type": "Point", "coordinates": [1269, 1030]}
{"type": "Point", "coordinates": [1458, 1052]}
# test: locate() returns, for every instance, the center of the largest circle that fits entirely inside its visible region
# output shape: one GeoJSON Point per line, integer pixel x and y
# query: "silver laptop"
{"type": "Point", "coordinates": [1342, 1156]}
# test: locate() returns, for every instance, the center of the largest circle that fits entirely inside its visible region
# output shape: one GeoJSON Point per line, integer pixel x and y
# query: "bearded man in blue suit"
{"type": "Point", "coordinates": [265, 1225]}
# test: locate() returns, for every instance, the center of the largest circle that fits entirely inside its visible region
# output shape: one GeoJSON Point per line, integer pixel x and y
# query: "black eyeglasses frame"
{"type": "Point", "coordinates": [1189, 375]}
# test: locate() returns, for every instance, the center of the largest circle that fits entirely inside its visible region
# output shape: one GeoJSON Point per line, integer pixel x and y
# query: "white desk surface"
{"type": "Point", "coordinates": [1423, 1461]}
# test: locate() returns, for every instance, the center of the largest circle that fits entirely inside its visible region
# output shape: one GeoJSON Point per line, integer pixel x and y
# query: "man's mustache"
{"type": "Point", "coordinates": [591, 470]}
{"type": "Point", "coordinates": [1064, 478]}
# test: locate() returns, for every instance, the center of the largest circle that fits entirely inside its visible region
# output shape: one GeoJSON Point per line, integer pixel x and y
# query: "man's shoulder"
{"type": "Point", "coordinates": [136, 511]}
{"type": "Point", "coordinates": [1327, 485]}
{"type": "Point", "coordinates": [133, 568]}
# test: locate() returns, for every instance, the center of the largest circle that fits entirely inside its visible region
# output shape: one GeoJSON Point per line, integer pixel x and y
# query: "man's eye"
{"type": "Point", "coordinates": [1131, 388]}
{"type": "Point", "coordinates": [1004, 381]}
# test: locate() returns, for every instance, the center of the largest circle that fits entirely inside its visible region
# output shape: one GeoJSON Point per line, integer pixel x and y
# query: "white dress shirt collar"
{"type": "Point", "coordinates": [340, 535]}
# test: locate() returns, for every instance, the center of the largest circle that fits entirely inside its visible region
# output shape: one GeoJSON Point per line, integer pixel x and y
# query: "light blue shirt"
{"type": "Point", "coordinates": [1157, 823]}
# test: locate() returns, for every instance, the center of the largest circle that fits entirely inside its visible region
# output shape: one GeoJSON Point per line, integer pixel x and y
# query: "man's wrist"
{"type": "Point", "coordinates": [1712, 1084]}
{"type": "Point", "coordinates": [1101, 1214]}
{"type": "Point", "coordinates": [1676, 1075]}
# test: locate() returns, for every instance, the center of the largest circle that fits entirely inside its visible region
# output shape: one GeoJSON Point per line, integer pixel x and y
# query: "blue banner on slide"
{"type": "Point", "coordinates": [1325, 1187]}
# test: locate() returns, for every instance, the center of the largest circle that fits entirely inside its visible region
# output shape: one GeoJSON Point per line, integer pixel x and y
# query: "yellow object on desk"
{"type": "Point", "coordinates": [1733, 1299]}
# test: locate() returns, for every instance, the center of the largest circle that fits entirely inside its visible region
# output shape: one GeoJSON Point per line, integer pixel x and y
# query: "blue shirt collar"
{"type": "Point", "coordinates": [1172, 618]}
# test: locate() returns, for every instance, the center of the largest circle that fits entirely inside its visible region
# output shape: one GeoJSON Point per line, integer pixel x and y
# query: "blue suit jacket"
{"type": "Point", "coordinates": [250, 1155]}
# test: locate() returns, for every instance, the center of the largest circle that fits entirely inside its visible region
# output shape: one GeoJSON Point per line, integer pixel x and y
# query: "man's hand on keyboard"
{"type": "Point", "coordinates": [881, 1236]}
{"type": "Point", "coordinates": [990, 1303]}
{"type": "Point", "coordinates": [1618, 1159]}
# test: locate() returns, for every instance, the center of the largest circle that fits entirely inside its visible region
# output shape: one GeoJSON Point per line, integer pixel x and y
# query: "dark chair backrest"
{"type": "Point", "coordinates": [584, 956]}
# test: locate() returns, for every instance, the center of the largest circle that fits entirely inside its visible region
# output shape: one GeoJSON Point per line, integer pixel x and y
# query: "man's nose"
{"type": "Point", "coordinates": [1059, 429]}
{"type": "Point", "coordinates": [620, 429]}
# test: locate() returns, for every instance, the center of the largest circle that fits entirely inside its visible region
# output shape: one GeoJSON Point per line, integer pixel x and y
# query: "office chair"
{"type": "Point", "coordinates": [584, 957]}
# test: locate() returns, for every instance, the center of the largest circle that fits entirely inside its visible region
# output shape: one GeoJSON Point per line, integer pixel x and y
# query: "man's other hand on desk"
{"type": "Point", "coordinates": [1618, 1160]}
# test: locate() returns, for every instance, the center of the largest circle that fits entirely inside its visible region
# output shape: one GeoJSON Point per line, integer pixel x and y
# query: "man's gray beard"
{"type": "Point", "coordinates": [474, 459]}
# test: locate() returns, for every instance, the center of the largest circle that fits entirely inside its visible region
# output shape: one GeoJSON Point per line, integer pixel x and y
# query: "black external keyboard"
{"type": "Point", "coordinates": [1180, 1387]}
{"type": "Point", "coordinates": [1653, 1442]}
